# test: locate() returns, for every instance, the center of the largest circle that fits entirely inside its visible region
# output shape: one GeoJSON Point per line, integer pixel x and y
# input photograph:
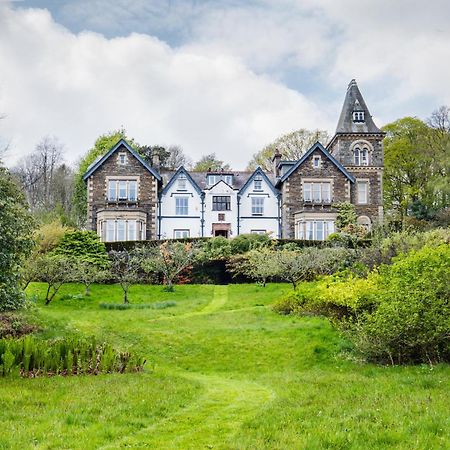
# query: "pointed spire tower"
{"type": "Point", "coordinates": [358, 146]}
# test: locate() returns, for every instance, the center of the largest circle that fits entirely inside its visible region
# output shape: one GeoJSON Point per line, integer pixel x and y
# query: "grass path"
{"type": "Point", "coordinates": [219, 411]}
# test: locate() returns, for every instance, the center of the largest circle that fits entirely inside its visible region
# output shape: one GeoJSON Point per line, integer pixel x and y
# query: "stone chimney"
{"type": "Point", "coordinates": [156, 159]}
{"type": "Point", "coordinates": [276, 160]}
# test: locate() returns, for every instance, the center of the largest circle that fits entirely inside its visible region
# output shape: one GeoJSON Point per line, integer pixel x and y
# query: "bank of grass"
{"type": "Point", "coordinates": [224, 372]}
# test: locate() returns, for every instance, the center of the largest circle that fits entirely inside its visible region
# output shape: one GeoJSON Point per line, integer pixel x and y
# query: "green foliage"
{"type": "Point", "coordinates": [346, 215]}
{"type": "Point", "coordinates": [122, 306]}
{"type": "Point", "coordinates": [245, 242]}
{"type": "Point", "coordinates": [291, 146]}
{"type": "Point", "coordinates": [83, 246]}
{"type": "Point", "coordinates": [125, 270]}
{"type": "Point", "coordinates": [208, 163]}
{"type": "Point", "coordinates": [102, 145]}
{"type": "Point", "coordinates": [33, 357]}
{"type": "Point", "coordinates": [411, 320]}
{"type": "Point", "coordinates": [16, 241]}
{"type": "Point", "coordinates": [49, 235]}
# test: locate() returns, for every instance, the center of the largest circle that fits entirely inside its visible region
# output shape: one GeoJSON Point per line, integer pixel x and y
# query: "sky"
{"type": "Point", "coordinates": [226, 76]}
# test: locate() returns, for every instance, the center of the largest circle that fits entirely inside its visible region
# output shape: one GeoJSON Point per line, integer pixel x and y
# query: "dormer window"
{"type": "Point", "coordinates": [316, 162]}
{"type": "Point", "coordinates": [122, 158]}
{"type": "Point", "coordinates": [182, 182]}
{"type": "Point", "coordinates": [215, 178]}
{"type": "Point", "coordinates": [358, 116]}
{"type": "Point", "coordinates": [361, 156]}
{"type": "Point", "coordinates": [257, 183]}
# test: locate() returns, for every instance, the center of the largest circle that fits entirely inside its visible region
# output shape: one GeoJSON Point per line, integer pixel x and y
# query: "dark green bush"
{"type": "Point", "coordinates": [31, 357]}
{"type": "Point", "coordinates": [84, 246]}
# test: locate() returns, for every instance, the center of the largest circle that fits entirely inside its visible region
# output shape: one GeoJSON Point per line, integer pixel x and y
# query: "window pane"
{"type": "Point", "coordinates": [122, 190]}
{"type": "Point", "coordinates": [309, 230]}
{"type": "Point", "coordinates": [221, 203]}
{"type": "Point", "coordinates": [132, 191]}
{"type": "Point", "coordinates": [182, 183]}
{"type": "Point", "coordinates": [112, 190]}
{"type": "Point", "coordinates": [301, 230]}
{"type": "Point", "coordinates": [319, 230]}
{"type": "Point", "coordinates": [316, 192]}
{"type": "Point", "coordinates": [131, 230]}
{"type": "Point", "coordinates": [121, 230]}
{"type": "Point", "coordinates": [364, 157]}
{"type": "Point", "coordinates": [356, 156]}
{"type": "Point", "coordinates": [362, 192]}
{"type": "Point", "coordinates": [110, 230]}
{"type": "Point", "coordinates": [258, 184]}
{"type": "Point", "coordinates": [326, 192]}
{"type": "Point", "coordinates": [307, 192]}
{"type": "Point", "coordinates": [181, 206]}
{"type": "Point", "coordinates": [257, 205]}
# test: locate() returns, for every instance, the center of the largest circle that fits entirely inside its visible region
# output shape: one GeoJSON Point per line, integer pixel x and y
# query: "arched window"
{"type": "Point", "coordinates": [361, 156]}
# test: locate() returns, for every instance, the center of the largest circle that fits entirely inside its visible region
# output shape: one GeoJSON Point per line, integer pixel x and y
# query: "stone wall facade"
{"type": "Point", "coordinates": [147, 192]}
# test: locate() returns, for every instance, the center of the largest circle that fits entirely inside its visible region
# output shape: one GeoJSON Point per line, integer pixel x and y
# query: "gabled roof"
{"type": "Point", "coordinates": [122, 143]}
{"type": "Point", "coordinates": [172, 180]}
{"type": "Point", "coordinates": [354, 101]}
{"type": "Point", "coordinates": [260, 172]}
{"type": "Point", "coordinates": [316, 146]}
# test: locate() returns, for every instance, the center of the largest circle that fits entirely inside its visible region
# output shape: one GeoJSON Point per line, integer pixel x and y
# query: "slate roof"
{"type": "Point", "coordinates": [316, 146]}
{"type": "Point", "coordinates": [122, 143]}
{"type": "Point", "coordinates": [346, 123]}
{"type": "Point", "coordinates": [239, 178]}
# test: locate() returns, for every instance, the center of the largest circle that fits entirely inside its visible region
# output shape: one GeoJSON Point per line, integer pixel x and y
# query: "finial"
{"type": "Point", "coordinates": [352, 83]}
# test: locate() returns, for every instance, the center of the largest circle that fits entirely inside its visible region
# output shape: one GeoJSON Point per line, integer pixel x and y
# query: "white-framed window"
{"type": "Point", "coordinates": [362, 192]}
{"type": "Point", "coordinates": [257, 206]}
{"type": "Point", "coordinates": [361, 156]}
{"type": "Point", "coordinates": [314, 229]}
{"type": "Point", "coordinates": [181, 206]}
{"type": "Point", "coordinates": [221, 203]}
{"type": "Point", "coordinates": [123, 230]}
{"type": "Point", "coordinates": [258, 231]}
{"type": "Point", "coordinates": [317, 192]}
{"type": "Point", "coordinates": [182, 182]}
{"type": "Point", "coordinates": [358, 116]}
{"type": "Point", "coordinates": [257, 183]}
{"type": "Point", "coordinates": [122, 158]}
{"type": "Point", "coordinates": [317, 161]}
{"type": "Point", "coordinates": [215, 178]}
{"type": "Point", "coordinates": [124, 190]}
{"type": "Point", "coordinates": [180, 234]}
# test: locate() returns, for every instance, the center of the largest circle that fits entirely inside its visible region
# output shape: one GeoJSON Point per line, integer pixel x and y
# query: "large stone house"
{"type": "Point", "coordinates": [130, 200]}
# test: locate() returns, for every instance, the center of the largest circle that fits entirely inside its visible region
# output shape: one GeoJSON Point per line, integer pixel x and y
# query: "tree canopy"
{"type": "Point", "coordinates": [16, 241]}
{"type": "Point", "coordinates": [210, 163]}
{"type": "Point", "coordinates": [291, 146]}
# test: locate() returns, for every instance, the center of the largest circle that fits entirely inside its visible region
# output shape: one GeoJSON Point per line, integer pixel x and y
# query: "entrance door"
{"type": "Point", "coordinates": [223, 233]}
{"type": "Point", "coordinates": [221, 229]}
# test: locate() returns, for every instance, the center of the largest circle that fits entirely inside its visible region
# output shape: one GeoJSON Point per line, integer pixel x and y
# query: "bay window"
{"type": "Point", "coordinates": [123, 230]}
{"type": "Point", "coordinates": [314, 229]}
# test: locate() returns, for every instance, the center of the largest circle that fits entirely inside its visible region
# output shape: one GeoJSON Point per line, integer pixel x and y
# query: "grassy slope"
{"type": "Point", "coordinates": [228, 373]}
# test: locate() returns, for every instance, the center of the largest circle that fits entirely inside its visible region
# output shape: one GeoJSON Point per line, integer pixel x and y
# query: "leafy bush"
{"type": "Point", "coordinates": [122, 306]}
{"type": "Point", "coordinates": [245, 242]}
{"type": "Point", "coordinates": [411, 320]}
{"type": "Point", "coordinates": [84, 246]}
{"type": "Point", "coordinates": [31, 357]}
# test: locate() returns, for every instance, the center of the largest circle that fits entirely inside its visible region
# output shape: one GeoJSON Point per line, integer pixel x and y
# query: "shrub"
{"type": "Point", "coordinates": [31, 357]}
{"type": "Point", "coordinates": [84, 246]}
{"type": "Point", "coordinates": [245, 242]}
{"type": "Point", "coordinates": [411, 320]}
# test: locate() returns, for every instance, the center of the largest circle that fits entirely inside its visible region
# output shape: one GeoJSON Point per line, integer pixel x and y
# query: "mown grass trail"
{"type": "Point", "coordinates": [224, 372]}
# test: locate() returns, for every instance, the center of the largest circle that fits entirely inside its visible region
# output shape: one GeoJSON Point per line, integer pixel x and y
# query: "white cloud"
{"type": "Point", "coordinates": [79, 86]}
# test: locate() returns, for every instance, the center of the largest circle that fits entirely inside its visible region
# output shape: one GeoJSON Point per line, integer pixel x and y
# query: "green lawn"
{"type": "Point", "coordinates": [223, 372]}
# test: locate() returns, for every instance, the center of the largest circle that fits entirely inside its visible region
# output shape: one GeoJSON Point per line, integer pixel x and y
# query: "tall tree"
{"type": "Point", "coordinates": [45, 178]}
{"type": "Point", "coordinates": [16, 240]}
{"type": "Point", "coordinates": [291, 146]}
{"type": "Point", "coordinates": [408, 166]}
{"type": "Point", "coordinates": [210, 163]}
